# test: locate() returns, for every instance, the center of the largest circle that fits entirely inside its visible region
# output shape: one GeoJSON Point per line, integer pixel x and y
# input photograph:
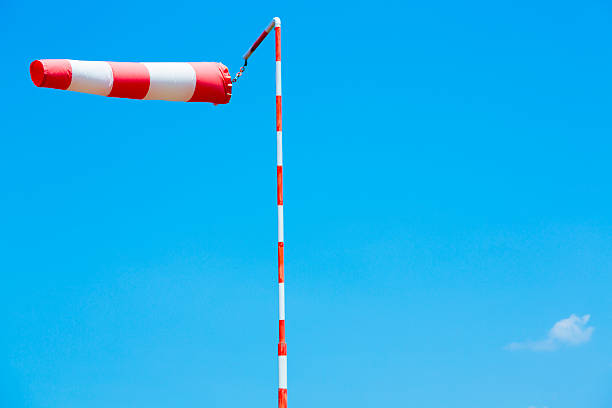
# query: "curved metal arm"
{"type": "Point", "coordinates": [274, 23]}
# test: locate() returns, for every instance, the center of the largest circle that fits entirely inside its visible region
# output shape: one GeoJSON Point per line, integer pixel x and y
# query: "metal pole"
{"type": "Point", "coordinates": [282, 345]}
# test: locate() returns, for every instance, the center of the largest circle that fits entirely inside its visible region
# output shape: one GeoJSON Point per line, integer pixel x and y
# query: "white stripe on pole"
{"type": "Point", "coordinates": [278, 78]}
{"type": "Point", "coordinates": [281, 298]}
{"type": "Point", "coordinates": [282, 372]}
{"type": "Point", "coordinates": [94, 77]}
{"type": "Point", "coordinates": [281, 237]}
{"type": "Point", "coordinates": [171, 81]}
{"type": "Point", "coordinates": [279, 148]}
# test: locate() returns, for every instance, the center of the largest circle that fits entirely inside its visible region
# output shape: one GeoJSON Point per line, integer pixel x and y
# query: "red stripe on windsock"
{"type": "Point", "coordinates": [279, 114]}
{"type": "Point", "coordinates": [51, 73]}
{"type": "Point", "coordinates": [130, 80]}
{"type": "Point", "coordinates": [281, 262]}
{"type": "Point", "coordinates": [210, 86]}
{"type": "Point", "coordinates": [282, 398]}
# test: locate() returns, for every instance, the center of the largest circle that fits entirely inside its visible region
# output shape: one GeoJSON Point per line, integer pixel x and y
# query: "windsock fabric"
{"type": "Point", "coordinates": [168, 81]}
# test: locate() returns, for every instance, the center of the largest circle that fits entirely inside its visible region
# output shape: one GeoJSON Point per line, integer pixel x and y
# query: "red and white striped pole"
{"type": "Point", "coordinates": [282, 345]}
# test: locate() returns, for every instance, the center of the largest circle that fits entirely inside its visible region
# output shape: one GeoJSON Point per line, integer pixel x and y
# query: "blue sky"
{"type": "Point", "coordinates": [447, 208]}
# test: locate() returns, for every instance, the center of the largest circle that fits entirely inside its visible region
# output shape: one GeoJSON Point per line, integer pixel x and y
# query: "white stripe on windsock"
{"type": "Point", "coordinates": [171, 81]}
{"type": "Point", "coordinates": [94, 77]}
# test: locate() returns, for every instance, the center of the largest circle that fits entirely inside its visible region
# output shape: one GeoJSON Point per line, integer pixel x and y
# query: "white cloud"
{"type": "Point", "coordinates": [571, 331]}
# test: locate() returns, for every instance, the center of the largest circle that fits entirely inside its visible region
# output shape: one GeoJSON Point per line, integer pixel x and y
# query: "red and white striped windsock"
{"type": "Point", "coordinates": [168, 81]}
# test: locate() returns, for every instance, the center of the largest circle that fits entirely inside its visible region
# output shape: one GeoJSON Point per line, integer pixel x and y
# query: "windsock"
{"type": "Point", "coordinates": [167, 81]}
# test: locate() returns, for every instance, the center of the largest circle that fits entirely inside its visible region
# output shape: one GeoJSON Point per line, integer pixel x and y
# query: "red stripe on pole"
{"type": "Point", "coordinates": [279, 113]}
{"type": "Point", "coordinates": [281, 263]}
{"type": "Point", "coordinates": [130, 80]}
{"type": "Point", "coordinates": [258, 41]}
{"type": "Point", "coordinates": [278, 43]}
{"type": "Point", "coordinates": [261, 37]}
{"type": "Point", "coordinates": [51, 73]}
{"type": "Point", "coordinates": [281, 330]}
{"type": "Point", "coordinates": [282, 398]}
{"type": "Point", "coordinates": [282, 349]}
{"type": "Point", "coordinates": [279, 184]}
